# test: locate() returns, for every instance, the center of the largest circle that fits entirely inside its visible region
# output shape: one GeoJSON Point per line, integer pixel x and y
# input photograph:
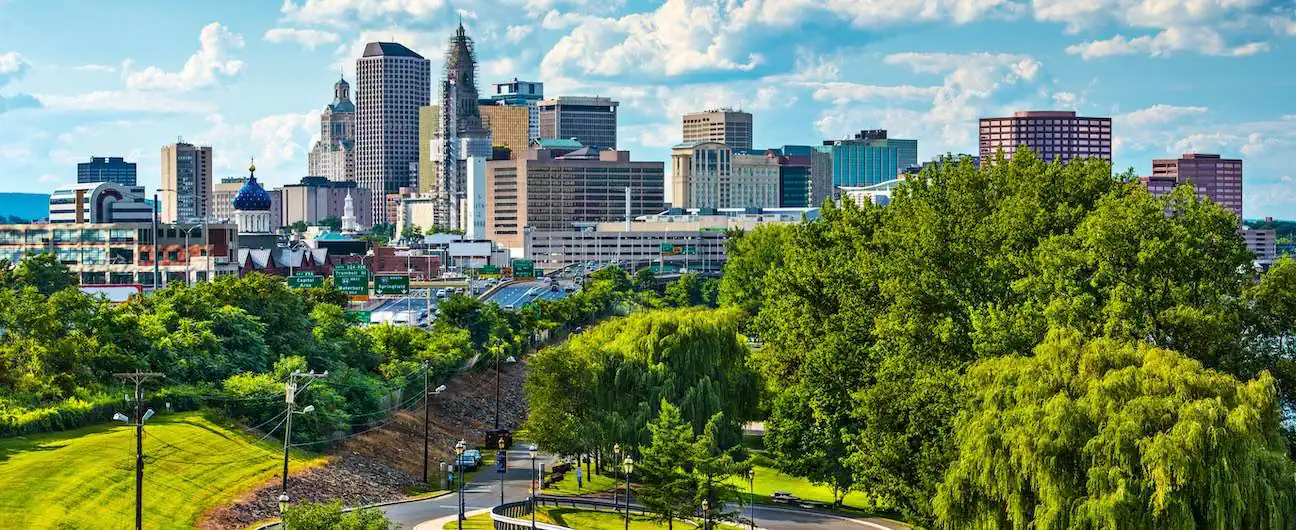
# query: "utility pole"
{"type": "Point", "coordinates": [290, 397]}
{"type": "Point", "coordinates": [427, 366]}
{"type": "Point", "coordinates": [139, 378]}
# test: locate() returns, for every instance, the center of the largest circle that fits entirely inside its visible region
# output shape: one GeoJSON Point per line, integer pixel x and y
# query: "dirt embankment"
{"type": "Point", "coordinates": [385, 463]}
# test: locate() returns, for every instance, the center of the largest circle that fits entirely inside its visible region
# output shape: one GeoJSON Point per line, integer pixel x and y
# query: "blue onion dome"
{"type": "Point", "coordinates": [252, 197]}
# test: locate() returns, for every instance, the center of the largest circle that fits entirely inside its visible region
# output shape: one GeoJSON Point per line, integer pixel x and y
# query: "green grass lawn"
{"type": "Point", "coordinates": [567, 486]}
{"type": "Point", "coordinates": [85, 478]}
{"type": "Point", "coordinates": [769, 480]}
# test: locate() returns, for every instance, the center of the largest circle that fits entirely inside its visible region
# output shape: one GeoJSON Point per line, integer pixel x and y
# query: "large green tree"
{"type": "Point", "coordinates": [1109, 434]}
{"type": "Point", "coordinates": [667, 489]}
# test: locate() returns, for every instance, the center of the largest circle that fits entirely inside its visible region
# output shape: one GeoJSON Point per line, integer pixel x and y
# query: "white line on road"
{"type": "Point", "coordinates": [835, 516]}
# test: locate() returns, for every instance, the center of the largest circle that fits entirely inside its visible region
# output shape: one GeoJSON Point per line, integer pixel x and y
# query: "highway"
{"type": "Point", "coordinates": [519, 294]}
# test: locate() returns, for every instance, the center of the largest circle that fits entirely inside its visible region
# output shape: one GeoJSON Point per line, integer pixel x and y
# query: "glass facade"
{"type": "Point", "coordinates": [794, 186]}
{"type": "Point", "coordinates": [858, 164]}
{"type": "Point", "coordinates": [106, 169]}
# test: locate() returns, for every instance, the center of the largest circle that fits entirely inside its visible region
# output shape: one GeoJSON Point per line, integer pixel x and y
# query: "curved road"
{"type": "Point", "coordinates": [483, 492]}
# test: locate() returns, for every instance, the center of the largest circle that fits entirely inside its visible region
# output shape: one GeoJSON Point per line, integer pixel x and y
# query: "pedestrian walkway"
{"type": "Point", "coordinates": [438, 524]}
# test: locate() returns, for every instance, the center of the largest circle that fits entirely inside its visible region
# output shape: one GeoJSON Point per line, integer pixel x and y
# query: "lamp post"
{"type": "Point", "coordinates": [283, 506]}
{"type": "Point", "coordinates": [628, 467]}
{"type": "Point", "coordinates": [751, 495]}
{"type": "Point", "coordinates": [706, 514]}
{"type": "Point", "coordinates": [139, 459]}
{"type": "Point", "coordinates": [616, 450]}
{"type": "Point", "coordinates": [459, 451]}
{"type": "Point", "coordinates": [501, 466]}
{"type": "Point", "coordinates": [533, 449]}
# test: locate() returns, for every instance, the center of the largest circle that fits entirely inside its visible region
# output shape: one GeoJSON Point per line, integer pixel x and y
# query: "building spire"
{"type": "Point", "coordinates": [252, 168]}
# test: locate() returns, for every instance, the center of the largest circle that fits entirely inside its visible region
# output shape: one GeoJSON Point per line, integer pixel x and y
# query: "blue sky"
{"type": "Point", "coordinates": [250, 77]}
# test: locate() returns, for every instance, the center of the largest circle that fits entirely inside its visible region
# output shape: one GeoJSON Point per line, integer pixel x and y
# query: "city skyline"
{"type": "Point", "coordinates": [250, 80]}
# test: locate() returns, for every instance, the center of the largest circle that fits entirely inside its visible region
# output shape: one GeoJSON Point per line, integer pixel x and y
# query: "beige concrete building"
{"type": "Point", "coordinates": [317, 198]}
{"type": "Point", "coordinates": [727, 126]}
{"type": "Point", "coordinates": [562, 189]}
{"type": "Point", "coordinates": [428, 121]}
{"type": "Point", "coordinates": [186, 182]}
{"type": "Point", "coordinates": [418, 210]}
{"type": "Point", "coordinates": [713, 175]}
{"type": "Point", "coordinates": [509, 127]}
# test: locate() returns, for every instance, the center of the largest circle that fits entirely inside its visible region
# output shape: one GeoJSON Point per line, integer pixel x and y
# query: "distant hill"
{"type": "Point", "coordinates": [23, 206]}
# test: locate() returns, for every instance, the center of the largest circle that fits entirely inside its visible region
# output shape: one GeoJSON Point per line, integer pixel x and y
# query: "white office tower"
{"type": "Point", "coordinates": [474, 221]}
{"type": "Point", "coordinates": [392, 83]}
{"type": "Point", "coordinates": [349, 223]}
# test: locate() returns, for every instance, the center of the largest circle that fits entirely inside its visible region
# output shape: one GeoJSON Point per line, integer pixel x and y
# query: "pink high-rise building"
{"type": "Point", "coordinates": [1219, 179]}
{"type": "Point", "coordinates": [1052, 135]}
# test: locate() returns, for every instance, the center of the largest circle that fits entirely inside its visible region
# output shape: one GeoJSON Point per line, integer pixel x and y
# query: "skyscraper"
{"type": "Point", "coordinates": [1052, 135]}
{"type": "Point", "coordinates": [186, 182]}
{"type": "Point", "coordinates": [591, 121]}
{"type": "Point", "coordinates": [522, 94]}
{"type": "Point", "coordinates": [392, 82]}
{"type": "Point", "coordinates": [333, 156]}
{"type": "Point", "coordinates": [727, 126]}
{"type": "Point", "coordinates": [713, 175]}
{"type": "Point", "coordinates": [429, 124]}
{"type": "Point", "coordinates": [462, 134]}
{"type": "Point", "coordinates": [508, 127]}
{"type": "Point", "coordinates": [114, 169]}
{"type": "Point", "coordinates": [870, 157]}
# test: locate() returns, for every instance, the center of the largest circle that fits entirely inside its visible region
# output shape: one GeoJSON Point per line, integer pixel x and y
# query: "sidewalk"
{"type": "Point", "coordinates": [438, 524]}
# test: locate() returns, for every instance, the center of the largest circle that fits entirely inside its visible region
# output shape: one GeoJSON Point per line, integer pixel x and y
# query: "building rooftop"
{"type": "Point", "coordinates": [388, 49]}
{"type": "Point", "coordinates": [558, 143]}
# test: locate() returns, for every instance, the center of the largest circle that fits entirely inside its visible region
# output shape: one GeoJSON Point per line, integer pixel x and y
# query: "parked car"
{"type": "Point", "coordinates": [470, 460]}
{"type": "Point", "coordinates": [784, 497]}
{"type": "Point", "coordinates": [441, 293]}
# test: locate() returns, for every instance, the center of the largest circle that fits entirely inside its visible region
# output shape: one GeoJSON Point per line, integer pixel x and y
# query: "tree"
{"type": "Point", "coordinates": [411, 232]}
{"type": "Point", "coordinates": [1105, 433]}
{"type": "Point", "coordinates": [644, 280]}
{"type": "Point", "coordinates": [298, 226]}
{"type": "Point", "coordinates": [42, 271]}
{"type": "Point", "coordinates": [805, 445]}
{"type": "Point", "coordinates": [751, 257]}
{"type": "Point", "coordinates": [332, 223]}
{"type": "Point", "coordinates": [619, 278]}
{"type": "Point", "coordinates": [687, 291]}
{"type": "Point", "coordinates": [712, 469]}
{"type": "Point", "coordinates": [667, 489]}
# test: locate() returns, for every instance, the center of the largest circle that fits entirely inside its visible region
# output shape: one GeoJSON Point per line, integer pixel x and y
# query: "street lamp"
{"type": "Point", "coordinates": [533, 449]}
{"type": "Point", "coordinates": [628, 467]}
{"type": "Point", "coordinates": [283, 507]}
{"type": "Point", "coordinates": [751, 495]}
{"type": "Point", "coordinates": [616, 450]}
{"type": "Point", "coordinates": [459, 451]}
{"type": "Point", "coordinates": [501, 466]}
{"type": "Point", "coordinates": [706, 514]}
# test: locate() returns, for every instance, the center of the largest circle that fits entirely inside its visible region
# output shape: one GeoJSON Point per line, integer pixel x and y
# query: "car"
{"type": "Point", "coordinates": [468, 463]}
{"type": "Point", "coordinates": [785, 497]}
{"type": "Point", "coordinates": [441, 293]}
{"type": "Point", "coordinates": [509, 307]}
{"type": "Point", "coordinates": [569, 288]}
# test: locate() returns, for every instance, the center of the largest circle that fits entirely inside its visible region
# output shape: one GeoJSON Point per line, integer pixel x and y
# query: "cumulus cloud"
{"type": "Point", "coordinates": [204, 68]}
{"type": "Point", "coordinates": [308, 38]}
{"type": "Point", "coordinates": [279, 143]}
{"type": "Point", "coordinates": [101, 68]}
{"type": "Point", "coordinates": [1196, 40]}
{"type": "Point", "coordinates": [515, 34]}
{"type": "Point", "coordinates": [338, 12]}
{"type": "Point", "coordinates": [12, 68]}
{"type": "Point", "coordinates": [429, 44]}
{"type": "Point", "coordinates": [841, 93]}
{"type": "Point", "coordinates": [1158, 114]}
{"type": "Point", "coordinates": [123, 101]}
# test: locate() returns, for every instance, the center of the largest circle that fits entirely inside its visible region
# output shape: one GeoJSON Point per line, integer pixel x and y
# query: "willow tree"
{"type": "Point", "coordinates": [1110, 434]}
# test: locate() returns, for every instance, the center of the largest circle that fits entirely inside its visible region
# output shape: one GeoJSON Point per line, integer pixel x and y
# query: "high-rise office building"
{"type": "Point", "coordinates": [393, 83]}
{"type": "Point", "coordinates": [186, 182]}
{"type": "Point", "coordinates": [333, 156]}
{"type": "Point", "coordinates": [870, 157]}
{"type": "Point", "coordinates": [726, 126]}
{"type": "Point", "coordinates": [1052, 135]}
{"type": "Point", "coordinates": [805, 175]}
{"type": "Point", "coordinates": [521, 94]}
{"type": "Point", "coordinates": [1219, 179]}
{"type": "Point", "coordinates": [713, 175]}
{"type": "Point", "coordinates": [558, 188]}
{"type": "Point", "coordinates": [429, 122]}
{"type": "Point", "coordinates": [590, 121]}
{"type": "Point", "coordinates": [461, 133]}
{"type": "Point", "coordinates": [508, 127]}
{"type": "Point", "coordinates": [114, 169]}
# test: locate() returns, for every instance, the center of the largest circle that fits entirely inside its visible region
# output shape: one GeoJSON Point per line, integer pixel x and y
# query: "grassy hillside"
{"type": "Point", "coordinates": [86, 478]}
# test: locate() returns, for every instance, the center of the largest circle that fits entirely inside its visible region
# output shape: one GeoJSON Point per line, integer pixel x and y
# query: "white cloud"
{"type": "Point", "coordinates": [309, 38]}
{"type": "Point", "coordinates": [128, 101]}
{"type": "Point", "coordinates": [48, 179]}
{"type": "Point", "coordinates": [337, 12]}
{"type": "Point", "coordinates": [1196, 40]}
{"type": "Point", "coordinates": [102, 68]}
{"type": "Point", "coordinates": [1157, 114]}
{"type": "Point", "coordinates": [554, 19]}
{"type": "Point", "coordinates": [515, 34]}
{"type": "Point", "coordinates": [12, 67]}
{"type": "Point", "coordinates": [15, 152]}
{"type": "Point", "coordinates": [1067, 100]}
{"type": "Point", "coordinates": [840, 93]}
{"type": "Point", "coordinates": [278, 142]}
{"type": "Point", "coordinates": [203, 68]}
{"type": "Point", "coordinates": [502, 67]}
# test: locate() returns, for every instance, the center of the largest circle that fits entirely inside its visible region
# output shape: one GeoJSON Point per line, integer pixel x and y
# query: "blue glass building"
{"type": "Point", "coordinates": [114, 169]}
{"type": "Point", "coordinates": [870, 158]}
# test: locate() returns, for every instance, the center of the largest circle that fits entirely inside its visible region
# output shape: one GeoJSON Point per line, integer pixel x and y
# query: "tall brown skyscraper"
{"type": "Point", "coordinates": [392, 84]}
{"type": "Point", "coordinates": [1052, 135]}
{"type": "Point", "coordinates": [1219, 179]}
{"type": "Point", "coordinates": [186, 182]}
{"type": "Point", "coordinates": [727, 126]}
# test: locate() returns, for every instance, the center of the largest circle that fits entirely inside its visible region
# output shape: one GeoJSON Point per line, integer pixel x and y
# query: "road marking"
{"type": "Point", "coordinates": [832, 515]}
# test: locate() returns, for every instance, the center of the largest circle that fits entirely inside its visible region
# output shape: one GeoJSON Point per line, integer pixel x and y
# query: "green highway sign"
{"type": "Point", "coordinates": [351, 279]}
{"type": "Point", "coordinates": [690, 250]}
{"type": "Point", "coordinates": [523, 268]}
{"type": "Point", "coordinates": [305, 279]}
{"type": "Point", "coordinates": [391, 284]}
{"type": "Point", "coordinates": [489, 269]}
{"type": "Point", "coordinates": [358, 317]}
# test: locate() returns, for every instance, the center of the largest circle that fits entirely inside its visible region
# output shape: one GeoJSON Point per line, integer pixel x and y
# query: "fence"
{"type": "Point", "coordinates": [517, 515]}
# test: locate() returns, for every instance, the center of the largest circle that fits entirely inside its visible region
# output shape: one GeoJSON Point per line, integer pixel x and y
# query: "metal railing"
{"type": "Point", "coordinates": [517, 515]}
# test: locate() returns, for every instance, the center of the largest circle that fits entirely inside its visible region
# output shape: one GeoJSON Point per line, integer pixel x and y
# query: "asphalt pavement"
{"type": "Point", "coordinates": [519, 294]}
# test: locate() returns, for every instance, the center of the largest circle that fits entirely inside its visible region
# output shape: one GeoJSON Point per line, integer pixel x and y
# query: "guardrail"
{"type": "Point", "coordinates": [517, 515]}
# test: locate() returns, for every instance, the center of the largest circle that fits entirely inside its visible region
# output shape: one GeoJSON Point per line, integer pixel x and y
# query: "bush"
{"type": "Point", "coordinates": [310, 516]}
